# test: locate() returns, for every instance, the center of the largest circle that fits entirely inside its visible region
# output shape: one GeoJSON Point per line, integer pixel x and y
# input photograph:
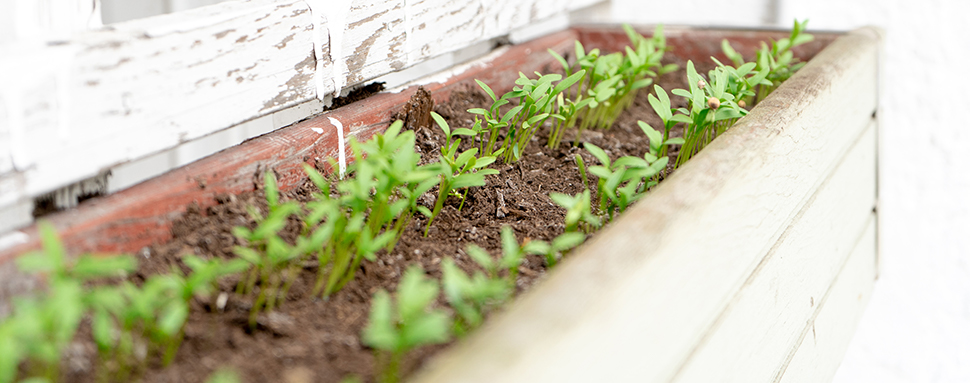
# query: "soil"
{"type": "Point", "coordinates": [313, 340]}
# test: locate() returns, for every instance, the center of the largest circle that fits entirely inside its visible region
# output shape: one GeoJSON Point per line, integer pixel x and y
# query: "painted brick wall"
{"type": "Point", "coordinates": [917, 325]}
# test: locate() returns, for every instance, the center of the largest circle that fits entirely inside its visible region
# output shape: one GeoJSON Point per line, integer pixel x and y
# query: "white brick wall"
{"type": "Point", "coordinates": [917, 325]}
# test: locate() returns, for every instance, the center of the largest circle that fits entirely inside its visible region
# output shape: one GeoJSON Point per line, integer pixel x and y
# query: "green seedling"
{"type": "Point", "coordinates": [661, 105]}
{"type": "Point", "coordinates": [537, 102]}
{"type": "Point", "coordinates": [274, 262]}
{"type": "Point", "coordinates": [512, 256]}
{"type": "Point", "coordinates": [457, 171]}
{"type": "Point", "coordinates": [616, 78]}
{"type": "Point", "coordinates": [710, 111]}
{"type": "Point", "coordinates": [624, 181]}
{"type": "Point", "coordinates": [367, 212]}
{"type": "Point", "coordinates": [579, 213]}
{"type": "Point", "coordinates": [471, 296]}
{"type": "Point", "coordinates": [778, 60]}
{"type": "Point", "coordinates": [42, 326]}
{"type": "Point", "coordinates": [554, 251]}
{"type": "Point", "coordinates": [393, 330]}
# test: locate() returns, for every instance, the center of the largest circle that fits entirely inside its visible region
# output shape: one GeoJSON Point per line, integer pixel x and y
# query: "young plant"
{"type": "Point", "coordinates": [579, 213]}
{"type": "Point", "coordinates": [393, 330]}
{"type": "Point", "coordinates": [624, 181]}
{"type": "Point", "coordinates": [471, 296]}
{"type": "Point", "coordinates": [42, 326]}
{"type": "Point", "coordinates": [269, 255]}
{"type": "Point", "coordinates": [553, 251]}
{"type": "Point", "coordinates": [661, 105]}
{"type": "Point", "coordinates": [711, 110]}
{"type": "Point", "coordinates": [536, 103]}
{"type": "Point", "coordinates": [457, 171]}
{"type": "Point", "coordinates": [778, 60]}
{"type": "Point", "coordinates": [512, 256]}
{"type": "Point", "coordinates": [368, 211]}
{"type": "Point", "coordinates": [616, 78]}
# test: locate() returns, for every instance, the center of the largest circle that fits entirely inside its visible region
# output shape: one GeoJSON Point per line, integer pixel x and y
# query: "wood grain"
{"type": "Point", "coordinates": [105, 97]}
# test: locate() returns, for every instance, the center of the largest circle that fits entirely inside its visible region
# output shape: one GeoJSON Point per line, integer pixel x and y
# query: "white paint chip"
{"type": "Point", "coordinates": [317, 130]}
{"type": "Point", "coordinates": [341, 155]}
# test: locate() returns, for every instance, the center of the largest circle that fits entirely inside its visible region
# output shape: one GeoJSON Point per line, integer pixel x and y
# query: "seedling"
{"type": "Point", "coordinates": [711, 110]}
{"type": "Point", "coordinates": [457, 171]}
{"type": "Point", "coordinates": [557, 248]}
{"type": "Point", "coordinates": [778, 60]}
{"type": "Point", "coordinates": [624, 181]}
{"type": "Point", "coordinates": [393, 330]}
{"type": "Point", "coordinates": [269, 255]}
{"type": "Point", "coordinates": [471, 296]}
{"type": "Point", "coordinates": [42, 326]}
{"type": "Point", "coordinates": [579, 214]}
{"type": "Point", "coordinates": [616, 78]}
{"type": "Point", "coordinates": [661, 105]}
{"type": "Point", "coordinates": [536, 103]}
{"type": "Point", "coordinates": [369, 211]}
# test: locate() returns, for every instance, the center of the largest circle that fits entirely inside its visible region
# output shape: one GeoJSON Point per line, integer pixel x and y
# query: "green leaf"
{"type": "Point", "coordinates": [568, 241]}
{"type": "Point", "coordinates": [568, 82]}
{"type": "Point", "coordinates": [248, 254]}
{"type": "Point", "coordinates": [480, 256]}
{"type": "Point", "coordinates": [172, 319]}
{"type": "Point", "coordinates": [414, 293]}
{"type": "Point", "coordinates": [463, 132]}
{"type": "Point", "coordinates": [381, 332]}
{"type": "Point", "coordinates": [510, 248]}
{"type": "Point", "coordinates": [89, 266]}
{"type": "Point", "coordinates": [536, 247]}
{"type": "Point", "coordinates": [487, 90]}
{"type": "Point", "coordinates": [441, 123]}
{"type": "Point", "coordinates": [468, 180]}
{"type": "Point", "coordinates": [600, 154]}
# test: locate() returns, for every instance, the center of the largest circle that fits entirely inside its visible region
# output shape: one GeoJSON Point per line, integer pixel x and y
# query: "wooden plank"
{"type": "Point", "coordinates": [373, 41]}
{"type": "Point", "coordinates": [827, 334]}
{"type": "Point", "coordinates": [145, 87]}
{"type": "Point", "coordinates": [441, 26]}
{"type": "Point", "coordinates": [752, 338]}
{"type": "Point", "coordinates": [635, 301]}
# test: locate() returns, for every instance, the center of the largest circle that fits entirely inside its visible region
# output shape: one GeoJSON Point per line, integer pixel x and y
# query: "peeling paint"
{"type": "Point", "coordinates": [224, 33]}
{"type": "Point", "coordinates": [282, 44]}
{"type": "Point", "coordinates": [242, 39]}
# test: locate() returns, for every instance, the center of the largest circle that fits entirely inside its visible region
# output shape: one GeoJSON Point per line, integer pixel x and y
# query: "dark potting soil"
{"type": "Point", "coordinates": [314, 340]}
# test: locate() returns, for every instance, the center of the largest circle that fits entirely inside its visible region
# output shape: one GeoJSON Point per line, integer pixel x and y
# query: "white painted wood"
{"type": "Point", "coordinates": [753, 337]}
{"type": "Point", "coordinates": [107, 97]}
{"type": "Point", "coordinates": [439, 26]}
{"type": "Point", "coordinates": [134, 95]}
{"type": "Point", "coordinates": [827, 334]}
{"type": "Point", "coordinates": [636, 301]}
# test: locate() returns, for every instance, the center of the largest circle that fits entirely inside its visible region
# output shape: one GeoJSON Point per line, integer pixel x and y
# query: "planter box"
{"type": "Point", "coordinates": [751, 263]}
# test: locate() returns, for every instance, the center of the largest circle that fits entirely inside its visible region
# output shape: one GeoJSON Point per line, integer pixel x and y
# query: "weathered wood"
{"type": "Point", "coordinates": [827, 334]}
{"type": "Point", "coordinates": [142, 87]}
{"type": "Point", "coordinates": [634, 303]}
{"type": "Point", "coordinates": [137, 88]}
{"type": "Point", "coordinates": [752, 338]}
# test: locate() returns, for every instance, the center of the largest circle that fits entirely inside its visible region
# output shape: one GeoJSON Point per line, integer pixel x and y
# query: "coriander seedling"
{"type": "Point", "coordinates": [394, 329]}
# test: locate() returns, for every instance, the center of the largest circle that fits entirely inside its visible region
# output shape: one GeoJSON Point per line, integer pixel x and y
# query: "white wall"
{"type": "Point", "coordinates": [917, 325]}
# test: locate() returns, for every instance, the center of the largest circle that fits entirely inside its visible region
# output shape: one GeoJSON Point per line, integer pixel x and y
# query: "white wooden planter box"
{"type": "Point", "coordinates": [752, 263]}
